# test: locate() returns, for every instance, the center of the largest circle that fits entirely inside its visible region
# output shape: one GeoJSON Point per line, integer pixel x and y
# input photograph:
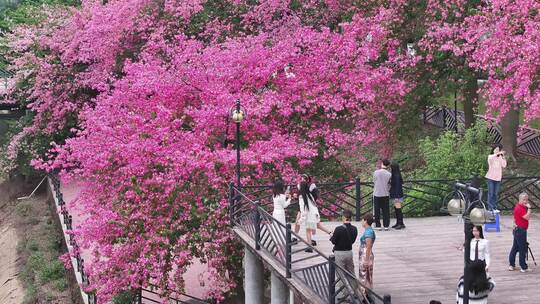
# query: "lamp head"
{"type": "Point", "coordinates": [478, 216]}
{"type": "Point", "coordinates": [456, 206]}
{"type": "Point", "coordinates": [238, 116]}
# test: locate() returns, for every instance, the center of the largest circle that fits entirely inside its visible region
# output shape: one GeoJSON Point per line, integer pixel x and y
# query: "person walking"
{"type": "Point", "coordinates": [522, 215]}
{"type": "Point", "coordinates": [496, 164]}
{"type": "Point", "coordinates": [281, 201]}
{"type": "Point", "coordinates": [309, 214]}
{"type": "Point", "coordinates": [396, 194]}
{"type": "Point", "coordinates": [343, 238]}
{"type": "Point", "coordinates": [300, 217]}
{"type": "Point", "coordinates": [381, 195]}
{"type": "Point", "coordinates": [480, 247]}
{"type": "Point", "coordinates": [480, 284]}
{"type": "Point", "coordinates": [366, 257]}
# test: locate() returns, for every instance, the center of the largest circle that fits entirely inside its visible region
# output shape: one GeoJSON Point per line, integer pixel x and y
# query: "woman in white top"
{"type": "Point", "coordinates": [309, 213]}
{"type": "Point", "coordinates": [480, 247]}
{"type": "Point", "coordinates": [480, 284]}
{"type": "Point", "coordinates": [496, 163]}
{"type": "Point", "coordinates": [281, 201]}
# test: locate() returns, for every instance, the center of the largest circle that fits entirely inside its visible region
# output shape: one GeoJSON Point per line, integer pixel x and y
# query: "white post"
{"type": "Point", "coordinates": [279, 292]}
{"type": "Point", "coordinates": [253, 278]}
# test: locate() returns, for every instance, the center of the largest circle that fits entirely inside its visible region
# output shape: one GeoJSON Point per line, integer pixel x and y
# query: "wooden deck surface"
{"type": "Point", "coordinates": [422, 263]}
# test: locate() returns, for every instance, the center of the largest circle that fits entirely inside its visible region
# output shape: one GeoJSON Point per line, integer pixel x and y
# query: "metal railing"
{"type": "Point", "coordinates": [421, 197]}
{"type": "Point", "coordinates": [139, 296]}
{"type": "Point", "coordinates": [313, 269]}
{"type": "Point", "coordinates": [528, 141]}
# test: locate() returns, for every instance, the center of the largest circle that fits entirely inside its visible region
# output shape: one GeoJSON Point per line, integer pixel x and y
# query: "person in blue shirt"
{"type": "Point", "coordinates": [365, 270]}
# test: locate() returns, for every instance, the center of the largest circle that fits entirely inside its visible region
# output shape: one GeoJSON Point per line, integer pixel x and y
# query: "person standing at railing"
{"type": "Point", "coordinates": [343, 238]}
{"type": "Point", "coordinates": [522, 214]}
{"type": "Point", "coordinates": [396, 194]}
{"type": "Point", "coordinates": [496, 164]}
{"type": "Point", "coordinates": [281, 200]}
{"type": "Point", "coordinates": [365, 269]}
{"type": "Point", "coordinates": [381, 195]}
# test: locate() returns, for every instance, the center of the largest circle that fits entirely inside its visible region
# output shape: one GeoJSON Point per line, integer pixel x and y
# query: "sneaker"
{"type": "Point", "coordinates": [395, 226]}
{"type": "Point", "coordinates": [524, 270]}
{"type": "Point", "coordinates": [308, 250]}
{"type": "Point", "coordinates": [399, 227]}
{"type": "Point", "coordinates": [313, 243]}
{"type": "Point", "coordinates": [511, 268]}
{"type": "Point", "coordinates": [294, 241]}
{"type": "Point", "coordinates": [378, 228]}
{"type": "Point", "coordinates": [385, 228]}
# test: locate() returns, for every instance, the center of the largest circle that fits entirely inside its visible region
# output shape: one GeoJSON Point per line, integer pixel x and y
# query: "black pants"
{"type": "Point", "coordinates": [384, 204]}
{"type": "Point", "coordinates": [519, 245]}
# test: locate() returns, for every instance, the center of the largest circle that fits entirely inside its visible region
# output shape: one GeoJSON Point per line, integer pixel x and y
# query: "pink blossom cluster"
{"type": "Point", "coordinates": [152, 139]}
{"type": "Point", "coordinates": [500, 39]}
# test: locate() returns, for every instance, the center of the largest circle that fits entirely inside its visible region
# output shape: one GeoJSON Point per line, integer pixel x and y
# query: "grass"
{"type": "Point", "coordinates": [42, 274]}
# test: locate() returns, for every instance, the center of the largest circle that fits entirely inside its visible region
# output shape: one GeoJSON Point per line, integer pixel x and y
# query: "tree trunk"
{"type": "Point", "coordinates": [509, 127]}
{"type": "Point", "coordinates": [470, 101]}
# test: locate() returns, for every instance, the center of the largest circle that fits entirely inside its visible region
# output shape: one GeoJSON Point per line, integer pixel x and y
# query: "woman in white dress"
{"type": "Point", "coordinates": [281, 201]}
{"type": "Point", "coordinates": [309, 213]}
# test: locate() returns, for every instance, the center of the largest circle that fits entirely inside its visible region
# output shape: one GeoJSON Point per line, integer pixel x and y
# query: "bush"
{"type": "Point", "coordinates": [455, 156]}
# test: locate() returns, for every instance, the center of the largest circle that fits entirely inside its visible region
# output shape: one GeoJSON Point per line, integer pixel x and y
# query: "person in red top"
{"type": "Point", "coordinates": [522, 214]}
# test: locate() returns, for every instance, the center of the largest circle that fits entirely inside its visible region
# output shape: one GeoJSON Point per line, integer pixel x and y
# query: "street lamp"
{"type": "Point", "coordinates": [473, 213]}
{"type": "Point", "coordinates": [237, 114]}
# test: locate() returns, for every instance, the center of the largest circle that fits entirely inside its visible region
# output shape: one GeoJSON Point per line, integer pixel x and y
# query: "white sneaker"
{"type": "Point", "coordinates": [385, 228]}
{"type": "Point", "coordinates": [524, 270]}
{"type": "Point", "coordinates": [511, 268]}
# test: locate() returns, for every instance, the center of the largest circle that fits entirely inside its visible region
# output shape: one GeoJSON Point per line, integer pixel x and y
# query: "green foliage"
{"type": "Point", "coordinates": [122, 298]}
{"type": "Point", "coordinates": [52, 271]}
{"type": "Point", "coordinates": [27, 12]}
{"type": "Point", "coordinates": [453, 156]}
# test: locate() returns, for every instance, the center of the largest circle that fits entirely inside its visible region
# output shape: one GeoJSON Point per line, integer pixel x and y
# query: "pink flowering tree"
{"type": "Point", "coordinates": [496, 39]}
{"type": "Point", "coordinates": [149, 87]}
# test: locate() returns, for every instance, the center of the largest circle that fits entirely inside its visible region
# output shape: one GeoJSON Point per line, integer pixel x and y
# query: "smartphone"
{"type": "Point", "coordinates": [288, 190]}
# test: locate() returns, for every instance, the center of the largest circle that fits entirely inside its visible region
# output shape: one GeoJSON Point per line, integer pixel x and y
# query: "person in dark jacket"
{"type": "Point", "coordinates": [396, 194]}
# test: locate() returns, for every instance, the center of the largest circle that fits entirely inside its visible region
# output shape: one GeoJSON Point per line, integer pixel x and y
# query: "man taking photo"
{"type": "Point", "coordinates": [522, 214]}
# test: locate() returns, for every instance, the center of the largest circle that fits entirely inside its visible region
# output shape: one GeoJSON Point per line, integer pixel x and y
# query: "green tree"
{"type": "Point", "coordinates": [453, 155]}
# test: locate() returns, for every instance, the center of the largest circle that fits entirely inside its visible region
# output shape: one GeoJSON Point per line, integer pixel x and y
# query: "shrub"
{"type": "Point", "coordinates": [454, 156]}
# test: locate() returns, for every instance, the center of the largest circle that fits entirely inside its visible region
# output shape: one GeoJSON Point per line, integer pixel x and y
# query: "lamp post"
{"type": "Point", "coordinates": [473, 213]}
{"type": "Point", "coordinates": [237, 115]}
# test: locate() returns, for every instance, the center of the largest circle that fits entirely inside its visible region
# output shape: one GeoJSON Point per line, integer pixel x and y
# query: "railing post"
{"type": "Point", "coordinates": [288, 249]}
{"type": "Point", "coordinates": [231, 203]}
{"type": "Point", "coordinates": [444, 117]}
{"type": "Point", "coordinates": [331, 279]}
{"type": "Point", "coordinates": [387, 299]}
{"type": "Point", "coordinates": [358, 198]}
{"type": "Point", "coordinates": [257, 220]}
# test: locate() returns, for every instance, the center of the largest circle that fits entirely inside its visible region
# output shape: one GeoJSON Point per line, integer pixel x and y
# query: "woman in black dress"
{"type": "Point", "coordinates": [396, 194]}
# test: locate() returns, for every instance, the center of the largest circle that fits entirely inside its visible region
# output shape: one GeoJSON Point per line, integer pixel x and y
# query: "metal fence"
{"type": "Point", "coordinates": [528, 141]}
{"type": "Point", "coordinates": [315, 270]}
{"type": "Point", "coordinates": [139, 296]}
{"type": "Point", "coordinates": [421, 197]}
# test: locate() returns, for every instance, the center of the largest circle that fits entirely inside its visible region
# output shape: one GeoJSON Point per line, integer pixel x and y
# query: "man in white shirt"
{"type": "Point", "coordinates": [381, 195]}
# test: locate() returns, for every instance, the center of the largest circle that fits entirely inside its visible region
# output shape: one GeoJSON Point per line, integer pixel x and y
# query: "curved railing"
{"type": "Point", "coordinates": [315, 270]}
{"type": "Point", "coordinates": [139, 296]}
{"type": "Point", "coordinates": [421, 197]}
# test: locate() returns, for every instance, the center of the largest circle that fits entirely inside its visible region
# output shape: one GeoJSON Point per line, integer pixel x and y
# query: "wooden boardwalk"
{"type": "Point", "coordinates": [422, 263]}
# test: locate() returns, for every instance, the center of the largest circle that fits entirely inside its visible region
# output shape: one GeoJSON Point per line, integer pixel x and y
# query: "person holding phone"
{"type": "Point", "coordinates": [496, 164]}
{"type": "Point", "coordinates": [281, 201]}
